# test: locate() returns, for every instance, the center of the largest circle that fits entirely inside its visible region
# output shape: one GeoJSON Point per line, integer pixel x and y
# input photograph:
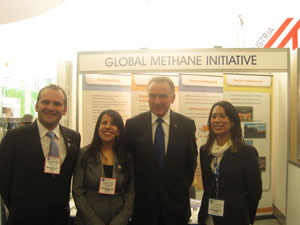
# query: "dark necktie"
{"type": "Point", "coordinates": [53, 146]}
{"type": "Point", "coordinates": [159, 142]}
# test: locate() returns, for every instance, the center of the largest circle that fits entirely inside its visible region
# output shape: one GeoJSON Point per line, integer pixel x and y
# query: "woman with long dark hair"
{"type": "Point", "coordinates": [103, 183]}
{"type": "Point", "coordinates": [230, 171]}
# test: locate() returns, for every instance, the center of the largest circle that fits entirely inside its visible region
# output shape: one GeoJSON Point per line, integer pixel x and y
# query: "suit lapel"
{"type": "Point", "coordinates": [117, 167]}
{"type": "Point", "coordinates": [148, 139]}
{"type": "Point", "coordinates": [148, 130]}
{"type": "Point", "coordinates": [226, 157]}
{"type": "Point", "coordinates": [173, 134]}
{"type": "Point", "coordinates": [173, 127]}
{"type": "Point", "coordinates": [71, 153]}
{"type": "Point", "coordinates": [33, 142]}
{"type": "Point", "coordinates": [96, 169]}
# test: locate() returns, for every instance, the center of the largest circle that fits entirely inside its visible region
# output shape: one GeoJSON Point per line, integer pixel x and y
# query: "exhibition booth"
{"type": "Point", "coordinates": [255, 81]}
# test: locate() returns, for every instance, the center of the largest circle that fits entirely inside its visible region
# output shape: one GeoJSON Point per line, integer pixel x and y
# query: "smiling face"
{"type": "Point", "coordinates": [220, 123]}
{"type": "Point", "coordinates": [108, 131]}
{"type": "Point", "coordinates": [50, 107]}
{"type": "Point", "coordinates": [160, 98]}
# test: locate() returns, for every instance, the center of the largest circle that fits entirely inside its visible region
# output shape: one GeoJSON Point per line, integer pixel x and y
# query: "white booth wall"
{"type": "Point", "coordinates": [293, 178]}
{"type": "Point", "coordinates": [293, 197]}
{"type": "Point", "coordinates": [280, 145]}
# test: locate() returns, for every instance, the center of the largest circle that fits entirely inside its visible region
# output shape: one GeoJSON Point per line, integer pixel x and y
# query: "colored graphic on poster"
{"type": "Point", "coordinates": [17, 106]}
{"type": "Point", "coordinates": [10, 107]}
{"type": "Point", "coordinates": [262, 163]}
{"type": "Point", "coordinates": [245, 113]}
{"type": "Point", "coordinates": [255, 130]}
{"type": "Point", "coordinates": [101, 92]}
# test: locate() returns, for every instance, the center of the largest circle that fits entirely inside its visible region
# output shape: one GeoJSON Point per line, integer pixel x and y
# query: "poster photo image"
{"type": "Point", "coordinates": [254, 130]}
{"type": "Point", "coordinates": [11, 107]}
{"type": "Point", "coordinates": [245, 113]}
{"type": "Point", "coordinates": [262, 163]}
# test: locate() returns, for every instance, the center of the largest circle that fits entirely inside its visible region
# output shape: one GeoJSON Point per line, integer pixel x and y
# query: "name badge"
{"type": "Point", "coordinates": [107, 185]}
{"type": "Point", "coordinates": [216, 207]}
{"type": "Point", "coordinates": [52, 165]}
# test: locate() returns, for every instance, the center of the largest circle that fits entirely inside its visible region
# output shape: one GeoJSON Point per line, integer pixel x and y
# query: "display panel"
{"type": "Point", "coordinates": [216, 75]}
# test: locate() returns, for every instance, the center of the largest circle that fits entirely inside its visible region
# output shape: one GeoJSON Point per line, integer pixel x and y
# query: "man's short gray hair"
{"type": "Point", "coordinates": [162, 80]}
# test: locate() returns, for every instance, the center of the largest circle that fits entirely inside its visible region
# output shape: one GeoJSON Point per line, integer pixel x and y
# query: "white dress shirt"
{"type": "Point", "coordinates": [45, 141]}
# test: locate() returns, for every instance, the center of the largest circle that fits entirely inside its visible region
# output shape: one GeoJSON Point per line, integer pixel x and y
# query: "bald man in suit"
{"type": "Point", "coordinates": [162, 179]}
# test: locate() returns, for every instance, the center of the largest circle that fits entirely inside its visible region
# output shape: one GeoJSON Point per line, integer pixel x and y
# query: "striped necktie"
{"type": "Point", "coordinates": [53, 146]}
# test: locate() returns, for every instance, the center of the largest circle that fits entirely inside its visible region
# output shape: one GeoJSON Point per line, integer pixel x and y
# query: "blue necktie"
{"type": "Point", "coordinates": [159, 142]}
{"type": "Point", "coordinates": [53, 146]}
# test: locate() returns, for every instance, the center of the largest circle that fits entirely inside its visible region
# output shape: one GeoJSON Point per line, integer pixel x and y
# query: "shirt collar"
{"type": "Point", "coordinates": [166, 117]}
{"type": "Point", "coordinates": [43, 130]}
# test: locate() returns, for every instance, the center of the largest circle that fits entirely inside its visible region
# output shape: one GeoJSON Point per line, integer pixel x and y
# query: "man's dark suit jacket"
{"type": "Point", "coordinates": [163, 190]}
{"type": "Point", "coordinates": [31, 196]}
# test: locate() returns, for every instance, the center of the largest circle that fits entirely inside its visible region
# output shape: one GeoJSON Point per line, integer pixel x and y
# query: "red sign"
{"type": "Point", "coordinates": [292, 35]}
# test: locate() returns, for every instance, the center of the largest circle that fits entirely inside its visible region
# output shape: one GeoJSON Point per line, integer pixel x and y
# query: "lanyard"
{"type": "Point", "coordinates": [217, 174]}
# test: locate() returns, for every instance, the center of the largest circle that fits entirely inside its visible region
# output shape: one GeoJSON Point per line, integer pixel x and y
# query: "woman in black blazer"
{"type": "Point", "coordinates": [103, 183]}
{"type": "Point", "coordinates": [230, 171]}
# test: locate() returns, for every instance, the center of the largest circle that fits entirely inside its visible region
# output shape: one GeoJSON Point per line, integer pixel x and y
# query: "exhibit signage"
{"type": "Point", "coordinates": [242, 80]}
{"type": "Point", "coordinates": [108, 80]}
{"type": "Point", "coordinates": [203, 81]}
{"type": "Point", "coordinates": [245, 77]}
{"type": "Point", "coordinates": [152, 60]}
{"type": "Point", "coordinates": [292, 35]}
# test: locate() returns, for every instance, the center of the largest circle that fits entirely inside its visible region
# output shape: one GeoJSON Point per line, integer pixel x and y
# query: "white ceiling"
{"type": "Point", "coordinates": [15, 10]}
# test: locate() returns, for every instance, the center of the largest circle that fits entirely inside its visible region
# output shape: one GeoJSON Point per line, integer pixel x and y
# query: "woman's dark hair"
{"type": "Point", "coordinates": [236, 130]}
{"type": "Point", "coordinates": [92, 155]}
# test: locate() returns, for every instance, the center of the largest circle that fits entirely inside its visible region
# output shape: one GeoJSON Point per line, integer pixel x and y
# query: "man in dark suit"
{"type": "Point", "coordinates": [34, 184]}
{"type": "Point", "coordinates": [162, 179]}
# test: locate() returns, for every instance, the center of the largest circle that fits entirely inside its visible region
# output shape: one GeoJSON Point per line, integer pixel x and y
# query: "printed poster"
{"type": "Point", "coordinates": [101, 92]}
